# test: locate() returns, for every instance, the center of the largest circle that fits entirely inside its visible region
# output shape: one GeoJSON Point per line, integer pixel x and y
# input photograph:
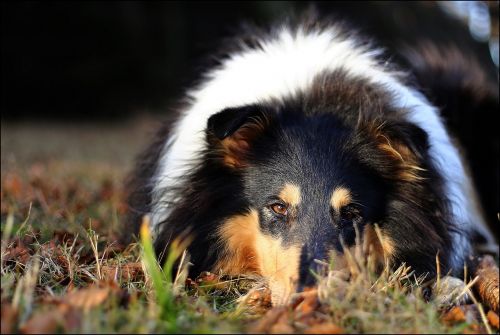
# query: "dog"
{"type": "Point", "coordinates": [302, 141]}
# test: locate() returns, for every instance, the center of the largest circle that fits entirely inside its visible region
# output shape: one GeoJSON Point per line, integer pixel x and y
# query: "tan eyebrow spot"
{"type": "Point", "coordinates": [290, 194]}
{"type": "Point", "coordinates": [340, 198]}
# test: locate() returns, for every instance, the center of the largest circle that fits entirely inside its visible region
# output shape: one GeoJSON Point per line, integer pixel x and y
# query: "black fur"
{"type": "Point", "coordinates": [319, 140]}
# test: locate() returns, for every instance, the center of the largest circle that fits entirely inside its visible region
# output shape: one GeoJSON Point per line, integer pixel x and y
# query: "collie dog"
{"type": "Point", "coordinates": [300, 142]}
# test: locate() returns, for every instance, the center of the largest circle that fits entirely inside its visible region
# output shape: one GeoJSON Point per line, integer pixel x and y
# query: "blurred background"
{"type": "Point", "coordinates": [89, 80]}
{"type": "Point", "coordinates": [66, 60]}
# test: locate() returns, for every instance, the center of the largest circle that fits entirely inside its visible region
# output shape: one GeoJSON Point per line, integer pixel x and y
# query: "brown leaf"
{"type": "Point", "coordinates": [60, 317]}
{"type": "Point", "coordinates": [42, 323]}
{"type": "Point", "coordinates": [468, 313]}
{"type": "Point", "coordinates": [95, 295]}
{"type": "Point", "coordinates": [72, 316]}
{"type": "Point", "coordinates": [4, 207]}
{"type": "Point", "coordinates": [19, 254]}
{"type": "Point", "coordinates": [493, 319]}
{"type": "Point", "coordinates": [325, 328]}
{"type": "Point", "coordinates": [12, 185]}
{"type": "Point", "coordinates": [207, 281]}
{"type": "Point", "coordinates": [124, 272]}
{"type": "Point", "coordinates": [88, 298]}
{"type": "Point", "coordinates": [37, 171]}
{"type": "Point", "coordinates": [309, 303]}
{"type": "Point", "coordinates": [107, 190]}
{"type": "Point", "coordinates": [190, 284]}
{"type": "Point", "coordinates": [268, 320]}
{"type": "Point", "coordinates": [9, 318]}
{"type": "Point", "coordinates": [207, 278]}
{"type": "Point", "coordinates": [454, 315]}
{"type": "Point", "coordinates": [31, 238]}
{"type": "Point", "coordinates": [282, 325]}
{"type": "Point", "coordinates": [475, 329]}
{"type": "Point", "coordinates": [281, 328]}
{"type": "Point", "coordinates": [122, 207]}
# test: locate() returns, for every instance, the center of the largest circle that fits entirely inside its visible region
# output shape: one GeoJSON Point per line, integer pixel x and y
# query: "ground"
{"type": "Point", "coordinates": [62, 269]}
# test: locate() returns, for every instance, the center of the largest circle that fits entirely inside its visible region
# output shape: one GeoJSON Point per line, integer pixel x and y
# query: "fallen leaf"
{"type": "Point", "coordinates": [493, 319]}
{"type": "Point", "coordinates": [88, 297]}
{"type": "Point", "coordinates": [31, 237]}
{"type": "Point", "coordinates": [268, 320]}
{"type": "Point", "coordinates": [124, 272]}
{"type": "Point", "coordinates": [50, 320]}
{"type": "Point", "coordinates": [282, 325]}
{"type": "Point", "coordinates": [12, 185]}
{"type": "Point", "coordinates": [107, 190]}
{"type": "Point", "coordinates": [207, 278]}
{"type": "Point", "coordinates": [96, 295]}
{"type": "Point", "coordinates": [208, 281]}
{"type": "Point", "coordinates": [122, 207]}
{"type": "Point", "coordinates": [309, 303]}
{"type": "Point", "coordinates": [190, 284]}
{"type": "Point", "coordinates": [463, 313]}
{"type": "Point", "coordinates": [475, 329]}
{"type": "Point", "coordinates": [9, 318]}
{"type": "Point", "coordinates": [325, 328]}
{"type": "Point", "coordinates": [454, 315]}
{"type": "Point", "coordinates": [42, 323]}
{"type": "Point", "coordinates": [19, 254]}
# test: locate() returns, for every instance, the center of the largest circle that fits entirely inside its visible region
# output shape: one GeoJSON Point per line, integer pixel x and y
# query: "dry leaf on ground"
{"type": "Point", "coordinates": [325, 328]}
{"type": "Point", "coordinates": [9, 318]}
{"type": "Point", "coordinates": [127, 272]}
{"type": "Point", "coordinates": [493, 319]}
{"type": "Point", "coordinates": [90, 297]}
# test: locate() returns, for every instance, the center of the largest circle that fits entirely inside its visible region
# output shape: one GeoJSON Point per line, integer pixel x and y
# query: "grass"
{"type": "Point", "coordinates": [63, 269]}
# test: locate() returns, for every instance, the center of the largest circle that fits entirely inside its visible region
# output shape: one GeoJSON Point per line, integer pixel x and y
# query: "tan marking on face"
{"type": "Point", "coordinates": [340, 198]}
{"type": "Point", "coordinates": [280, 266]}
{"type": "Point", "coordinates": [290, 194]}
{"type": "Point", "coordinates": [248, 251]}
{"type": "Point", "coordinates": [238, 234]}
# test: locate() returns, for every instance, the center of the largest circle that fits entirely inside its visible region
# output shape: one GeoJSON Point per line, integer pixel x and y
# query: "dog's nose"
{"type": "Point", "coordinates": [312, 260]}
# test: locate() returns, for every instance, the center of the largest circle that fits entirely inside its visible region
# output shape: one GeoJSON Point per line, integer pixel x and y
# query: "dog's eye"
{"type": "Point", "coordinates": [350, 214]}
{"type": "Point", "coordinates": [279, 208]}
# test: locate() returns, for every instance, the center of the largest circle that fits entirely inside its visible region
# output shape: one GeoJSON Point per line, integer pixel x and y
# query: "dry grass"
{"type": "Point", "coordinates": [63, 270]}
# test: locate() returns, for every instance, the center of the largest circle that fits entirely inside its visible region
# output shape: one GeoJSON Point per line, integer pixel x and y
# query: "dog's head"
{"type": "Point", "coordinates": [312, 181]}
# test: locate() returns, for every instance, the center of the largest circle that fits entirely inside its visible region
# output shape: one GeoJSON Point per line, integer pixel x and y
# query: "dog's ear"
{"type": "Point", "coordinates": [401, 145]}
{"type": "Point", "coordinates": [406, 136]}
{"type": "Point", "coordinates": [235, 129]}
